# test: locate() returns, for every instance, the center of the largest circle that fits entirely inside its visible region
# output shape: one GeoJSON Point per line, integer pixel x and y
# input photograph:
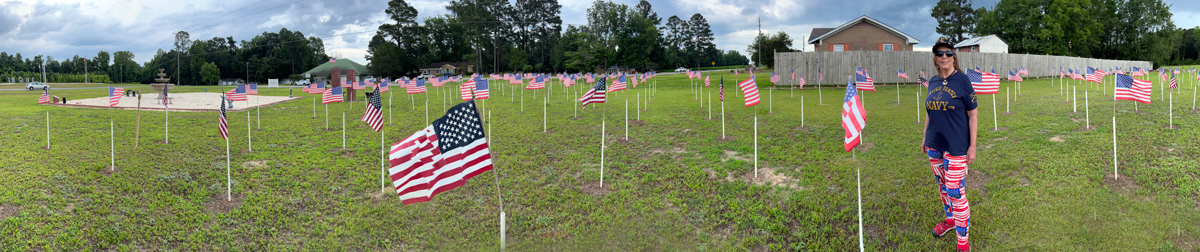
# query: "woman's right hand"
{"type": "Point", "coordinates": [922, 145]}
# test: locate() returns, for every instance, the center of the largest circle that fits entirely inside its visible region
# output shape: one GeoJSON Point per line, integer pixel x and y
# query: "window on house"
{"type": "Point", "coordinates": [839, 47]}
{"type": "Point", "coordinates": [972, 49]}
{"type": "Point", "coordinates": [889, 47]}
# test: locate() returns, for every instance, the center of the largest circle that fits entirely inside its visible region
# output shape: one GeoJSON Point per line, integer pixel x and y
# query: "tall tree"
{"type": "Point", "coordinates": [698, 41]}
{"type": "Point", "coordinates": [956, 19]}
{"type": "Point", "coordinates": [406, 34]}
{"type": "Point", "coordinates": [765, 46]}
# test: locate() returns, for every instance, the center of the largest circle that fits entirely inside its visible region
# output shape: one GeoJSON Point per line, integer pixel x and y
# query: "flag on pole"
{"type": "Point", "coordinates": [793, 75]}
{"type": "Point", "coordinates": [222, 125]}
{"type": "Point", "coordinates": [1093, 76]}
{"type": "Point", "coordinates": [802, 82]}
{"type": "Point", "coordinates": [45, 98]}
{"type": "Point", "coordinates": [921, 78]}
{"type": "Point", "coordinates": [750, 91]}
{"type": "Point", "coordinates": [539, 82]}
{"type": "Point", "coordinates": [417, 88]}
{"type": "Point", "coordinates": [820, 77]}
{"type": "Point", "coordinates": [465, 91]}
{"type": "Point", "coordinates": [1014, 76]}
{"type": "Point", "coordinates": [359, 85]}
{"type": "Point", "coordinates": [722, 92]}
{"type": "Point", "coordinates": [860, 78]}
{"type": "Point", "coordinates": [735, 72]}
{"type": "Point", "coordinates": [165, 101]}
{"type": "Point", "coordinates": [332, 95]}
{"type": "Point", "coordinates": [900, 73]}
{"type": "Point", "coordinates": [618, 84]}
{"type": "Point", "coordinates": [305, 88]}
{"type": "Point", "coordinates": [706, 82]}
{"type": "Point", "coordinates": [253, 90]}
{"type": "Point", "coordinates": [1174, 85]}
{"type": "Point", "coordinates": [481, 89]}
{"type": "Point", "coordinates": [774, 77]}
{"type": "Point", "coordinates": [237, 94]}
{"type": "Point", "coordinates": [374, 114]}
{"type": "Point", "coordinates": [383, 86]}
{"type": "Point", "coordinates": [317, 88]}
{"type": "Point", "coordinates": [854, 117]}
{"type": "Point", "coordinates": [440, 157]}
{"type": "Point", "coordinates": [984, 82]}
{"type": "Point", "coordinates": [1132, 89]}
{"type": "Point", "coordinates": [1023, 71]}
{"type": "Point", "coordinates": [594, 95]}
{"type": "Point", "coordinates": [114, 96]}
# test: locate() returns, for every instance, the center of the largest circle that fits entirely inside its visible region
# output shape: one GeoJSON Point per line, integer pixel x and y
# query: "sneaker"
{"type": "Point", "coordinates": [942, 228]}
{"type": "Point", "coordinates": [964, 248]}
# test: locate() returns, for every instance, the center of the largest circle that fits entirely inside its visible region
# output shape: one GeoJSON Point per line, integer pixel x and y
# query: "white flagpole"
{"type": "Point", "coordinates": [112, 154]}
{"type": "Point", "coordinates": [1114, 136]}
{"type": "Point", "coordinates": [639, 108]}
{"type": "Point", "coordinates": [820, 95]}
{"type": "Point", "coordinates": [47, 129]}
{"type": "Point", "coordinates": [326, 116]}
{"type": "Point", "coordinates": [918, 105]}
{"type": "Point", "coordinates": [709, 106]}
{"type": "Point", "coordinates": [995, 121]}
{"type": "Point", "coordinates": [249, 140]}
{"type": "Point", "coordinates": [756, 145]}
{"type": "Point", "coordinates": [626, 119]}
{"type": "Point", "coordinates": [1086, 111]}
{"type": "Point", "coordinates": [858, 177]}
{"type": "Point", "coordinates": [382, 166]}
{"type": "Point", "coordinates": [343, 130]}
{"type": "Point", "coordinates": [602, 126]}
{"type": "Point", "coordinates": [167, 121]}
{"type": "Point", "coordinates": [1074, 98]}
{"type": "Point", "coordinates": [722, 119]}
{"type": "Point", "coordinates": [228, 178]}
{"type": "Point", "coordinates": [314, 108]}
{"type": "Point", "coordinates": [546, 100]}
{"type": "Point", "coordinates": [426, 109]}
{"type": "Point", "coordinates": [1007, 100]}
{"type": "Point", "coordinates": [390, 107]}
{"type": "Point", "coordinates": [770, 103]}
{"type": "Point", "coordinates": [258, 111]}
{"type": "Point", "coordinates": [1171, 108]}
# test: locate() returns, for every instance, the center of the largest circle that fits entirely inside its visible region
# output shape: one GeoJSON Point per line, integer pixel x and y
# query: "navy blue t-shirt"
{"type": "Point", "coordinates": [946, 106]}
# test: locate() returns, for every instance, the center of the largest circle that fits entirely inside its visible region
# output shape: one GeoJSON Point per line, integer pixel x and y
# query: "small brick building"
{"type": "Point", "coordinates": [861, 34]}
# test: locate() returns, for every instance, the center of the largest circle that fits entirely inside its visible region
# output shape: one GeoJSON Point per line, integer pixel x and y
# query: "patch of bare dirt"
{"type": "Point", "coordinates": [1166, 126]}
{"type": "Point", "coordinates": [999, 129]}
{"type": "Point", "coordinates": [220, 203]}
{"type": "Point", "coordinates": [726, 138]}
{"type": "Point", "coordinates": [637, 122]}
{"type": "Point", "coordinates": [805, 128]}
{"type": "Point", "coordinates": [866, 146]}
{"type": "Point", "coordinates": [1007, 113]}
{"type": "Point", "coordinates": [108, 171]}
{"type": "Point", "coordinates": [1123, 184]}
{"type": "Point", "coordinates": [1057, 139]}
{"type": "Point", "coordinates": [734, 155]}
{"type": "Point", "coordinates": [622, 139]}
{"type": "Point", "coordinates": [976, 180]}
{"type": "Point", "coordinates": [673, 150]}
{"type": "Point", "coordinates": [767, 176]}
{"type": "Point", "coordinates": [7, 210]}
{"type": "Point", "coordinates": [594, 188]}
{"type": "Point", "coordinates": [254, 164]}
{"type": "Point", "coordinates": [1085, 128]}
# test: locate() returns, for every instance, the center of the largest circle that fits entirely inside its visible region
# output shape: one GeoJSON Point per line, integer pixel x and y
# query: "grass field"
{"type": "Point", "coordinates": [1043, 182]}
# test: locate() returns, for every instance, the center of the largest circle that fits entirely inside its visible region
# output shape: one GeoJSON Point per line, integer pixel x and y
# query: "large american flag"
{"type": "Point", "coordinates": [749, 91]}
{"type": "Point", "coordinates": [984, 82]}
{"type": "Point", "coordinates": [114, 96]}
{"type": "Point", "coordinates": [595, 95]}
{"type": "Point", "coordinates": [417, 88]}
{"type": "Point", "coordinates": [900, 73]}
{"type": "Point", "coordinates": [236, 94]}
{"type": "Point", "coordinates": [332, 95]}
{"type": "Point", "coordinates": [1132, 89]}
{"type": "Point", "coordinates": [374, 114]}
{"type": "Point", "coordinates": [440, 157]}
{"type": "Point", "coordinates": [1093, 76]}
{"type": "Point", "coordinates": [854, 117]}
{"type": "Point", "coordinates": [618, 84]}
{"type": "Point", "coordinates": [775, 78]}
{"type": "Point", "coordinates": [860, 78]}
{"type": "Point", "coordinates": [481, 89]}
{"type": "Point", "coordinates": [253, 90]}
{"type": "Point", "coordinates": [222, 125]}
{"type": "Point", "coordinates": [45, 98]}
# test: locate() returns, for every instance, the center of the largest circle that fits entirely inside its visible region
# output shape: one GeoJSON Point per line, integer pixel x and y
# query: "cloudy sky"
{"type": "Point", "coordinates": [64, 28]}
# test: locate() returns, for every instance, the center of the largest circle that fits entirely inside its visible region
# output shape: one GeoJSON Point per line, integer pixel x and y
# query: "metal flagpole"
{"type": "Point", "coordinates": [249, 140]}
{"type": "Point", "coordinates": [755, 143]}
{"type": "Point", "coordinates": [1007, 100]}
{"type": "Point", "coordinates": [858, 177]}
{"type": "Point", "coordinates": [228, 178]}
{"type": "Point", "coordinates": [112, 154]}
{"type": "Point", "coordinates": [546, 100]}
{"type": "Point", "coordinates": [626, 119]}
{"type": "Point", "coordinates": [1086, 111]}
{"type": "Point", "coordinates": [167, 121]}
{"type": "Point", "coordinates": [602, 129]}
{"type": "Point", "coordinates": [1114, 137]}
{"type": "Point", "coordinates": [343, 130]}
{"type": "Point", "coordinates": [47, 129]}
{"type": "Point", "coordinates": [382, 166]}
{"type": "Point", "coordinates": [326, 116]}
{"type": "Point", "coordinates": [709, 107]}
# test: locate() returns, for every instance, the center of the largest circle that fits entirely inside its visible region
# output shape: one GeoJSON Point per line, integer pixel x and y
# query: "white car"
{"type": "Point", "coordinates": [681, 70]}
{"type": "Point", "coordinates": [301, 83]}
{"type": "Point", "coordinates": [36, 85]}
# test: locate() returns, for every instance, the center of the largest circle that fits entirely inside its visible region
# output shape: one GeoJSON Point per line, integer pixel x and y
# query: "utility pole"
{"type": "Point", "coordinates": [85, 72]}
{"type": "Point", "coordinates": [760, 49]}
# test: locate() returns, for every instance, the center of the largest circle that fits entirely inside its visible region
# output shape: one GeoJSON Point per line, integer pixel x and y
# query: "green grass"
{"type": "Point", "coordinates": [665, 189]}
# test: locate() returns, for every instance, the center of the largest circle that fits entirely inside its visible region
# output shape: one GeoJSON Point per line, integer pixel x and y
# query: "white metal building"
{"type": "Point", "coordinates": [987, 44]}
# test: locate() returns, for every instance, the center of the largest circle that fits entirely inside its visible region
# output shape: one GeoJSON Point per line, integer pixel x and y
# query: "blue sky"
{"type": "Point", "coordinates": [63, 28]}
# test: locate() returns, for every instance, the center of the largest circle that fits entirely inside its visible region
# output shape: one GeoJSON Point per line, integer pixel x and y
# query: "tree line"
{"type": "Point", "coordinates": [1105, 29]}
{"type": "Point", "coordinates": [529, 36]}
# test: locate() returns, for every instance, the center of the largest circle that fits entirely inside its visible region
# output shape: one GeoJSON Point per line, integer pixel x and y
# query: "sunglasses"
{"type": "Point", "coordinates": [943, 53]}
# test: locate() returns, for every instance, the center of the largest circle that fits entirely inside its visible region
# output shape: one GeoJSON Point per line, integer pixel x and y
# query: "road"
{"type": "Point", "coordinates": [71, 88]}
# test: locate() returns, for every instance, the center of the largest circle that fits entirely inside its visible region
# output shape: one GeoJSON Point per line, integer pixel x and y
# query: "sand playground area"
{"type": "Point", "coordinates": [193, 102]}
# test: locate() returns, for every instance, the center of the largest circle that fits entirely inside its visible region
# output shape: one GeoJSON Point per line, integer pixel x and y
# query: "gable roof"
{"type": "Point", "coordinates": [817, 32]}
{"type": "Point", "coordinates": [864, 18]}
{"type": "Point", "coordinates": [441, 64]}
{"type": "Point", "coordinates": [978, 40]}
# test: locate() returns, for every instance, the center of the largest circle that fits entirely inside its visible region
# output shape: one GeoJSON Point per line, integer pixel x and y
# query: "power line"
{"type": "Point", "coordinates": [227, 13]}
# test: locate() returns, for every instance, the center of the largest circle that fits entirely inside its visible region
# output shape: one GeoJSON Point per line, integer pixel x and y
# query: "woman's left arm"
{"type": "Point", "coordinates": [973, 118]}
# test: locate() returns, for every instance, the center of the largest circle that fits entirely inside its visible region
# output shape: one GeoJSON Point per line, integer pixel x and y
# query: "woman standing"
{"type": "Point", "coordinates": [949, 139]}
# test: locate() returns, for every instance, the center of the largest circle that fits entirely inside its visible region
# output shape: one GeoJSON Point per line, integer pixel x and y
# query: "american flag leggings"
{"type": "Point", "coordinates": [950, 172]}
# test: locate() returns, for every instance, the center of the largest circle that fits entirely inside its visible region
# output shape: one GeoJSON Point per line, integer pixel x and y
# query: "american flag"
{"type": "Point", "coordinates": [481, 89]}
{"type": "Point", "coordinates": [774, 77]}
{"type": "Point", "coordinates": [594, 95]}
{"type": "Point", "coordinates": [253, 90]}
{"type": "Point", "coordinates": [317, 88]}
{"type": "Point", "coordinates": [1015, 76]}
{"type": "Point", "coordinates": [820, 77]}
{"type": "Point", "coordinates": [440, 157]}
{"type": "Point", "coordinates": [332, 60]}
{"type": "Point", "coordinates": [441, 80]}
{"type": "Point", "coordinates": [721, 93]}
{"type": "Point", "coordinates": [1023, 71]}
{"type": "Point", "coordinates": [618, 84]}
{"type": "Point", "coordinates": [332, 95]}
{"type": "Point", "coordinates": [114, 96]}
{"type": "Point", "coordinates": [984, 82]}
{"type": "Point", "coordinates": [465, 91]}
{"type": "Point", "coordinates": [1176, 70]}
{"type": "Point", "coordinates": [358, 85]}
{"type": "Point", "coordinates": [749, 91]}
{"type": "Point", "coordinates": [802, 82]}
{"type": "Point", "coordinates": [374, 114]}
{"type": "Point", "coordinates": [1119, 71]}
{"type": "Point", "coordinates": [222, 125]}
{"type": "Point", "coordinates": [515, 80]}
{"type": "Point", "coordinates": [1174, 85]}
{"type": "Point", "coordinates": [863, 83]}
{"type": "Point", "coordinates": [1093, 76]}
{"type": "Point", "coordinates": [735, 72]}
{"type": "Point", "coordinates": [538, 82]}
{"type": "Point", "coordinates": [854, 117]}
{"type": "Point", "coordinates": [1132, 89]}
{"type": "Point", "coordinates": [706, 78]}
{"type": "Point", "coordinates": [1101, 73]}
{"type": "Point", "coordinates": [237, 94]}
{"type": "Point", "coordinates": [305, 88]}
{"type": "Point", "coordinates": [590, 78]}
{"type": "Point", "coordinates": [569, 81]}
{"type": "Point", "coordinates": [900, 73]}
{"type": "Point", "coordinates": [417, 88]}
{"type": "Point", "coordinates": [383, 86]}
{"type": "Point", "coordinates": [921, 78]}
{"type": "Point", "coordinates": [794, 75]}
{"type": "Point", "coordinates": [165, 101]}
{"type": "Point", "coordinates": [45, 98]}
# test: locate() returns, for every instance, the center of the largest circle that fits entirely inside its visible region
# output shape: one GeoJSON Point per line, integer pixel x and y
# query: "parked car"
{"type": "Point", "coordinates": [36, 85]}
{"type": "Point", "coordinates": [301, 83]}
{"type": "Point", "coordinates": [425, 76]}
{"type": "Point", "coordinates": [681, 70]}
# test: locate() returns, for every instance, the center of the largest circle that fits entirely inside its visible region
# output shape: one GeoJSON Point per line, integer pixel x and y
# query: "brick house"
{"type": "Point", "coordinates": [861, 34]}
{"type": "Point", "coordinates": [447, 68]}
{"type": "Point", "coordinates": [987, 44]}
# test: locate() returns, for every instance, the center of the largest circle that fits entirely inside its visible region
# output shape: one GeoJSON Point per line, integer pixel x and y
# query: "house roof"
{"type": "Point", "coordinates": [440, 64]}
{"type": "Point", "coordinates": [864, 18]}
{"type": "Point", "coordinates": [977, 41]}
{"type": "Point", "coordinates": [817, 32]}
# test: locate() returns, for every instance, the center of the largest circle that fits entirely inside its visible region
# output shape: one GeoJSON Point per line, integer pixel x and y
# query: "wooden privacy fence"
{"type": "Point", "coordinates": [882, 66]}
